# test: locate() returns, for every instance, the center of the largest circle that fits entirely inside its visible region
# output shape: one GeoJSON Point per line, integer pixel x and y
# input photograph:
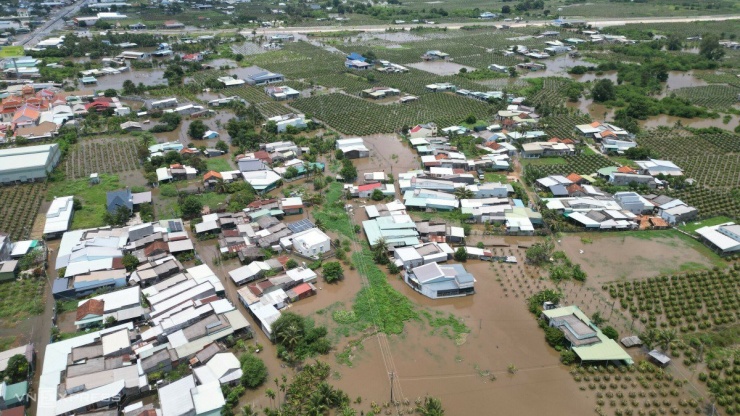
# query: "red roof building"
{"type": "Point", "coordinates": [369, 187]}
{"type": "Point", "coordinates": [91, 307]}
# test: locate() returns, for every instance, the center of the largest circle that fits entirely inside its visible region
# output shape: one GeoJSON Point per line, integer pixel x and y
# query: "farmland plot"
{"type": "Point", "coordinates": [580, 164]}
{"type": "Point", "coordinates": [712, 96]}
{"type": "Point", "coordinates": [110, 156]}
{"type": "Point", "coordinates": [352, 115]}
{"type": "Point", "coordinates": [19, 205]}
{"type": "Point", "coordinates": [563, 126]}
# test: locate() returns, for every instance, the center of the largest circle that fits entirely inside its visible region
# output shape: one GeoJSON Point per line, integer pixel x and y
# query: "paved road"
{"type": "Point", "coordinates": [57, 21]}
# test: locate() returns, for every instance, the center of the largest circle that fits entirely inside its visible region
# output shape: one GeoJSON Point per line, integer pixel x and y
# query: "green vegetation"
{"type": "Point", "coordinates": [687, 302]}
{"type": "Point", "coordinates": [254, 371]}
{"type": "Point", "coordinates": [93, 156]}
{"type": "Point", "coordinates": [19, 205]}
{"type": "Point", "coordinates": [332, 272]}
{"type": "Point", "coordinates": [22, 299]}
{"type": "Point", "coordinates": [297, 338]}
{"type": "Point", "coordinates": [93, 198]}
{"type": "Point", "coordinates": [218, 164]}
{"type": "Point", "coordinates": [581, 164]}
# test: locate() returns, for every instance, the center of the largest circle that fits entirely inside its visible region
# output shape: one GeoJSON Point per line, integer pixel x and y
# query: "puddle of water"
{"type": "Point", "coordinates": [440, 67]}
{"type": "Point", "coordinates": [147, 77]}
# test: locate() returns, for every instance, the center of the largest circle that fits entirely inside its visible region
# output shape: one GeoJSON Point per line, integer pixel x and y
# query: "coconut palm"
{"type": "Point", "coordinates": [380, 251]}
{"type": "Point", "coordinates": [431, 407]}
{"type": "Point", "coordinates": [463, 193]}
{"type": "Point", "coordinates": [665, 337]}
{"type": "Point", "coordinates": [271, 394]}
{"type": "Point", "coordinates": [248, 411]}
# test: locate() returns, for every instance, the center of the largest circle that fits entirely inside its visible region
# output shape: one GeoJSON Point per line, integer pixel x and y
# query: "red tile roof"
{"type": "Point", "coordinates": [91, 307]}
{"type": "Point", "coordinates": [595, 124]}
{"type": "Point", "coordinates": [574, 177]}
{"type": "Point", "coordinates": [212, 174]}
{"type": "Point", "coordinates": [625, 169]}
{"type": "Point", "coordinates": [369, 186]}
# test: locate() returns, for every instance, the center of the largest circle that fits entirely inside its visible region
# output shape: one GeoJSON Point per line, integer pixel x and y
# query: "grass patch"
{"type": "Point", "coordinates": [21, 300]}
{"type": "Point", "coordinates": [212, 199]}
{"type": "Point", "coordinates": [496, 177]}
{"type": "Point", "coordinates": [545, 161]}
{"type": "Point", "coordinates": [93, 198]}
{"type": "Point", "coordinates": [6, 342]}
{"type": "Point", "coordinates": [218, 164]}
{"type": "Point", "coordinates": [624, 161]}
{"type": "Point", "coordinates": [695, 225]}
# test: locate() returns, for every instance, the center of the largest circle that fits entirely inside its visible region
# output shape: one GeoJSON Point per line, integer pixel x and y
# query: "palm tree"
{"type": "Point", "coordinates": [347, 411]}
{"type": "Point", "coordinates": [316, 405]}
{"type": "Point", "coordinates": [431, 407]}
{"type": "Point", "coordinates": [463, 193]}
{"type": "Point", "coordinates": [319, 224]}
{"type": "Point", "coordinates": [271, 394]}
{"type": "Point", "coordinates": [247, 411]}
{"type": "Point", "coordinates": [277, 385]}
{"type": "Point", "coordinates": [380, 251]}
{"type": "Point", "coordinates": [220, 187]}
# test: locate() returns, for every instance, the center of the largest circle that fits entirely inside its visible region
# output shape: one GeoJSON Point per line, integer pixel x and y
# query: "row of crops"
{"type": "Point", "coordinates": [689, 302]}
{"type": "Point", "coordinates": [563, 126]}
{"type": "Point", "coordinates": [715, 96]}
{"type": "Point", "coordinates": [19, 205]}
{"type": "Point", "coordinates": [710, 159]}
{"type": "Point", "coordinates": [634, 390]}
{"type": "Point", "coordinates": [580, 164]}
{"type": "Point", "coordinates": [112, 156]}
{"type": "Point", "coordinates": [723, 381]}
{"type": "Point", "coordinates": [352, 115]}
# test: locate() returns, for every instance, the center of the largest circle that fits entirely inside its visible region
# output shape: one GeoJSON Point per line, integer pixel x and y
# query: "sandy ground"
{"type": "Point", "coordinates": [618, 256]}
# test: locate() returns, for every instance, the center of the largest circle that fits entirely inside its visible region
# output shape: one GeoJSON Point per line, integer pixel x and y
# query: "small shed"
{"type": "Point", "coordinates": [659, 358]}
{"type": "Point", "coordinates": [94, 178]}
{"type": "Point", "coordinates": [633, 341]}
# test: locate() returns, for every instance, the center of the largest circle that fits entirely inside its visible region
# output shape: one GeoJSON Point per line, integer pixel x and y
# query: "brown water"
{"type": "Point", "coordinates": [147, 77]}
{"type": "Point", "coordinates": [388, 154]}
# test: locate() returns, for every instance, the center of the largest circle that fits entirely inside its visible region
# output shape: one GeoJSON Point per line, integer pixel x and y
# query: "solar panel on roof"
{"type": "Point", "coordinates": [301, 225]}
{"type": "Point", "coordinates": [175, 226]}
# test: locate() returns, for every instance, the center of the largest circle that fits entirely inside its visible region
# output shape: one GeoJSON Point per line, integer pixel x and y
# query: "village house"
{"type": "Point", "coordinates": [544, 149]}
{"type": "Point", "coordinates": [120, 306]}
{"type": "Point", "coordinates": [437, 281]}
{"type": "Point", "coordinates": [655, 167]}
{"type": "Point", "coordinates": [724, 239]}
{"type": "Point", "coordinates": [257, 76]}
{"type": "Point", "coordinates": [282, 93]}
{"type": "Point", "coordinates": [353, 148]}
{"type": "Point", "coordinates": [311, 243]}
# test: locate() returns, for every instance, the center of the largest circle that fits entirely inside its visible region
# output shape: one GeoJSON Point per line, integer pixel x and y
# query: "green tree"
{"type": "Point", "coordinates": [222, 146]}
{"type": "Point", "coordinates": [470, 119]}
{"type": "Point", "coordinates": [603, 90]}
{"type": "Point", "coordinates": [539, 253]}
{"type": "Point", "coordinates": [370, 56]}
{"type": "Point", "coordinates": [191, 207]}
{"type": "Point", "coordinates": [254, 371]}
{"type": "Point", "coordinates": [291, 264]}
{"type": "Point", "coordinates": [129, 88]}
{"type": "Point", "coordinates": [673, 43]}
{"type": "Point", "coordinates": [117, 218]}
{"type": "Point", "coordinates": [197, 129]}
{"type": "Point", "coordinates": [110, 92]}
{"type": "Point", "coordinates": [512, 69]}
{"type": "Point", "coordinates": [710, 48]}
{"type": "Point", "coordinates": [291, 172]}
{"type": "Point", "coordinates": [597, 319]}
{"type": "Point", "coordinates": [332, 271]}
{"type": "Point", "coordinates": [377, 195]}
{"type": "Point", "coordinates": [610, 332]}
{"type": "Point", "coordinates": [568, 357]}
{"type": "Point", "coordinates": [380, 251]}
{"type": "Point", "coordinates": [130, 262]}
{"type": "Point", "coordinates": [463, 192]}
{"type": "Point", "coordinates": [554, 337]}
{"type": "Point", "coordinates": [17, 369]}
{"type": "Point", "coordinates": [289, 330]}
{"type": "Point", "coordinates": [461, 254]}
{"type": "Point", "coordinates": [431, 407]}
{"type": "Point", "coordinates": [348, 171]}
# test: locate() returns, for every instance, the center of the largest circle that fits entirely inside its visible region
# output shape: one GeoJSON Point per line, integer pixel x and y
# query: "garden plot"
{"type": "Point", "coordinates": [440, 67]}
{"type": "Point", "coordinates": [101, 156]}
{"type": "Point", "coordinates": [563, 126]}
{"type": "Point", "coordinates": [353, 115]}
{"type": "Point", "coordinates": [686, 302]}
{"type": "Point", "coordinates": [19, 205]}
{"type": "Point", "coordinates": [712, 96]}
{"type": "Point", "coordinates": [248, 48]}
{"type": "Point", "coordinates": [580, 164]}
{"type": "Point", "coordinates": [635, 255]}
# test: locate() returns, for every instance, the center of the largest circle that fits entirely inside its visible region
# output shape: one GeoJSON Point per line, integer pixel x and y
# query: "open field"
{"type": "Point", "coordinates": [636, 255]}
{"type": "Point", "coordinates": [581, 164]}
{"type": "Point", "coordinates": [694, 225]}
{"type": "Point", "coordinates": [19, 205]}
{"type": "Point", "coordinates": [21, 300]}
{"type": "Point", "coordinates": [93, 198]}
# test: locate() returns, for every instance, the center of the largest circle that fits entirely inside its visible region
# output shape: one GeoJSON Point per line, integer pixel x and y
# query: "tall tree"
{"type": "Point", "coordinates": [710, 48]}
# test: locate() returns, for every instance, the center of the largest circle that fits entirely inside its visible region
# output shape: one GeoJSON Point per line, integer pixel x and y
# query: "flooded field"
{"type": "Point", "coordinates": [609, 256]}
{"type": "Point", "coordinates": [387, 153]}
{"type": "Point", "coordinates": [440, 67]}
{"type": "Point", "coordinates": [147, 77]}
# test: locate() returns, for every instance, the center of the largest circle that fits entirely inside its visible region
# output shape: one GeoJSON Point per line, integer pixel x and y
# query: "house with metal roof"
{"type": "Point", "coordinates": [585, 338]}
{"type": "Point", "coordinates": [185, 397]}
{"type": "Point", "coordinates": [257, 76]}
{"type": "Point", "coordinates": [395, 230]}
{"type": "Point", "coordinates": [440, 281]}
{"type": "Point", "coordinates": [723, 238]}
{"type": "Point", "coordinates": [655, 167]}
{"type": "Point", "coordinates": [28, 164]}
{"type": "Point", "coordinates": [59, 216]}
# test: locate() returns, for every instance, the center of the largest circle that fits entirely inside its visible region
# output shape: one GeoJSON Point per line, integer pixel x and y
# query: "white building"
{"type": "Point", "coordinates": [311, 243]}
{"type": "Point", "coordinates": [59, 216]}
{"type": "Point", "coordinates": [655, 167]}
{"type": "Point", "coordinates": [723, 238]}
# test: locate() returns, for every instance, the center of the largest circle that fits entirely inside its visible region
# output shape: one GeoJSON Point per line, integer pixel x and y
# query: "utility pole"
{"type": "Point", "coordinates": [392, 376]}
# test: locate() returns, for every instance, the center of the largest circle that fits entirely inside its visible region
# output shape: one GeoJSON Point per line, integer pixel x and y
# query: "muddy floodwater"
{"type": "Point", "coordinates": [440, 67]}
{"type": "Point", "coordinates": [617, 256]}
{"type": "Point", "coordinates": [147, 77]}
